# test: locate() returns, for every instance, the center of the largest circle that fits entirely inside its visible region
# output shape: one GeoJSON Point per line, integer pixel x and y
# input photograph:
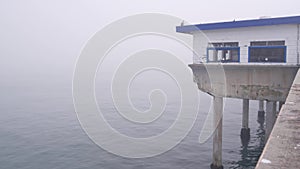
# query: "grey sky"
{"type": "Point", "coordinates": [46, 36]}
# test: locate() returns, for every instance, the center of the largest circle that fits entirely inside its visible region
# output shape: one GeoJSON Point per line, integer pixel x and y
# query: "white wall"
{"type": "Point", "coordinates": [244, 36]}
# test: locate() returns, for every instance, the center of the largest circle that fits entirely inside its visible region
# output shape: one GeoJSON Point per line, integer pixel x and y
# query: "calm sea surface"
{"type": "Point", "coordinates": [39, 129]}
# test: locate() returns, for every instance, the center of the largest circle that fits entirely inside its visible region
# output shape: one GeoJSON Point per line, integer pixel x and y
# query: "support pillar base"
{"type": "Point", "coordinates": [245, 133]}
{"type": "Point", "coordinates": [261, 114]}
{"type": "Point", "coordinates": [212, 166]}
{"type": "Point", "coordinates": [261, 117]}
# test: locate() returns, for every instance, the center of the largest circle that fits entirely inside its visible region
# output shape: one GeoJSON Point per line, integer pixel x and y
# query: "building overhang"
{"type": "Point", "coordinates": [246, 81]}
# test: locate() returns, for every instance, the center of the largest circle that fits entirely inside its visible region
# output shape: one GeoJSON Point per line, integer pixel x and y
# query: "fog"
{"type": "Point", "coordinates": [44, 38]}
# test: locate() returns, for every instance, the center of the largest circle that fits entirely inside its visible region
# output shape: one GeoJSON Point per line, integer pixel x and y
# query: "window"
{"type": "Point", "coordinates": [267, 51]}
{"type": "Point", "coordinates": [267, 43]}
{"type": "Point", "coordinates": [223, 52]}
{"type": "Point", "coordinates": [226, 44]}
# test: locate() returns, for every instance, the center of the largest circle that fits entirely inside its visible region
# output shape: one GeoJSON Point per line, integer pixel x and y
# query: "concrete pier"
{"type": "Point", "coordinates": [245, 131]}
{"type": "Point", "coordinates": [247, 82]}
{"type": "Point", "coordinates": [217, 138]}
{"type": "Point", "coordinates": [282, 150]}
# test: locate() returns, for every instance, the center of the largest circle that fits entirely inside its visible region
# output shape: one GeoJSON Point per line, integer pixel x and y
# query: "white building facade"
{"type": "Point", "coordinates": [271, 40]}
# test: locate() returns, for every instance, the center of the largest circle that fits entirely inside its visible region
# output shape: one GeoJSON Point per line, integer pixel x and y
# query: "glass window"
{"type": "Point", "coordinates": [274, 54]}
{"type": "Point", "coordinates": [267, 43]}
{"type": "Point", "coordinates": [267, 51]}
{"type": "Point", "coordinates": [223, 52]}
{"type": "Point", "coordinates": [262, 43]}
{"type": "Point", "coordinates": [224, 44]}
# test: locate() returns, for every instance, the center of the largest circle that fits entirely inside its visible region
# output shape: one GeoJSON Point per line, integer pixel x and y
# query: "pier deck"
{"type": "Point", "coordinates": [282, 150]}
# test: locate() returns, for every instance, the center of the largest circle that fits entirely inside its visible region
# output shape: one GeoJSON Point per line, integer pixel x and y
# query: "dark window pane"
{"type": "Point", "coordinates": [267, 54]}
{"type": "Point", "coordinates": [217, 45]}
{"type": "Point", "coordinates": [276, 43]}
{"type": "Point", "coordinates": [224, 44]}
{"type": "Point", "coordinates": [267, 43]}
{"type": "Point", "coordinates": [258, 43]}
{"type": "Point", "coordinates": [231, 44]}
{"type": "Point", "coordinates": [235, 55]}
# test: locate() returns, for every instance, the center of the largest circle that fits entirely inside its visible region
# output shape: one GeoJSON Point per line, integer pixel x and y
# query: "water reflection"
{"type": "Point", "coordinates": [250, 150]}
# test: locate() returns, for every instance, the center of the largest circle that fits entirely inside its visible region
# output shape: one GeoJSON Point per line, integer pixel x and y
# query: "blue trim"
{"type": "Point", "coordinates": [239, 24]}
{"type": "Point", "coordinates": [207, 55]}
{"type": "Point", "coordinates": [268, 47]}
{"type": "Point", "coordinates": [222, 48]}
{"type": "Point", "coordinates": [249, 50]}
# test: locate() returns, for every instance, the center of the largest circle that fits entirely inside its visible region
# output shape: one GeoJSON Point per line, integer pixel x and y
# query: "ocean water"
{"type": "Point", "coordinates": [39, 129]}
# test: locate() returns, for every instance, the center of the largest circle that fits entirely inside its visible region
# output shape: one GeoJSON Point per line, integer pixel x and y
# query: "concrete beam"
{"type": "Point", "coordinates": [245, 81]}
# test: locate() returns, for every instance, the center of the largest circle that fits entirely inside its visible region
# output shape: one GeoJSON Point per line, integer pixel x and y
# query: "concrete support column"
{"type": "Point", "coordinates": [270, 117]}
{"type": "Point", "coordinates": [245, 122]}
{"type": "Point", "coordinates": [217, 138]}
{"type": "Point", "coordinates": [261, 112]}
{"type": "Point", "coordinates": [245, 131]}
{"type": "Point", "coordinates": [280, 104]}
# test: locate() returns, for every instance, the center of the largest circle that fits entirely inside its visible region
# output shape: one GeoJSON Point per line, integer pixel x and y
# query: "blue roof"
{"type": "Point", "coordinates": [239, 24]}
